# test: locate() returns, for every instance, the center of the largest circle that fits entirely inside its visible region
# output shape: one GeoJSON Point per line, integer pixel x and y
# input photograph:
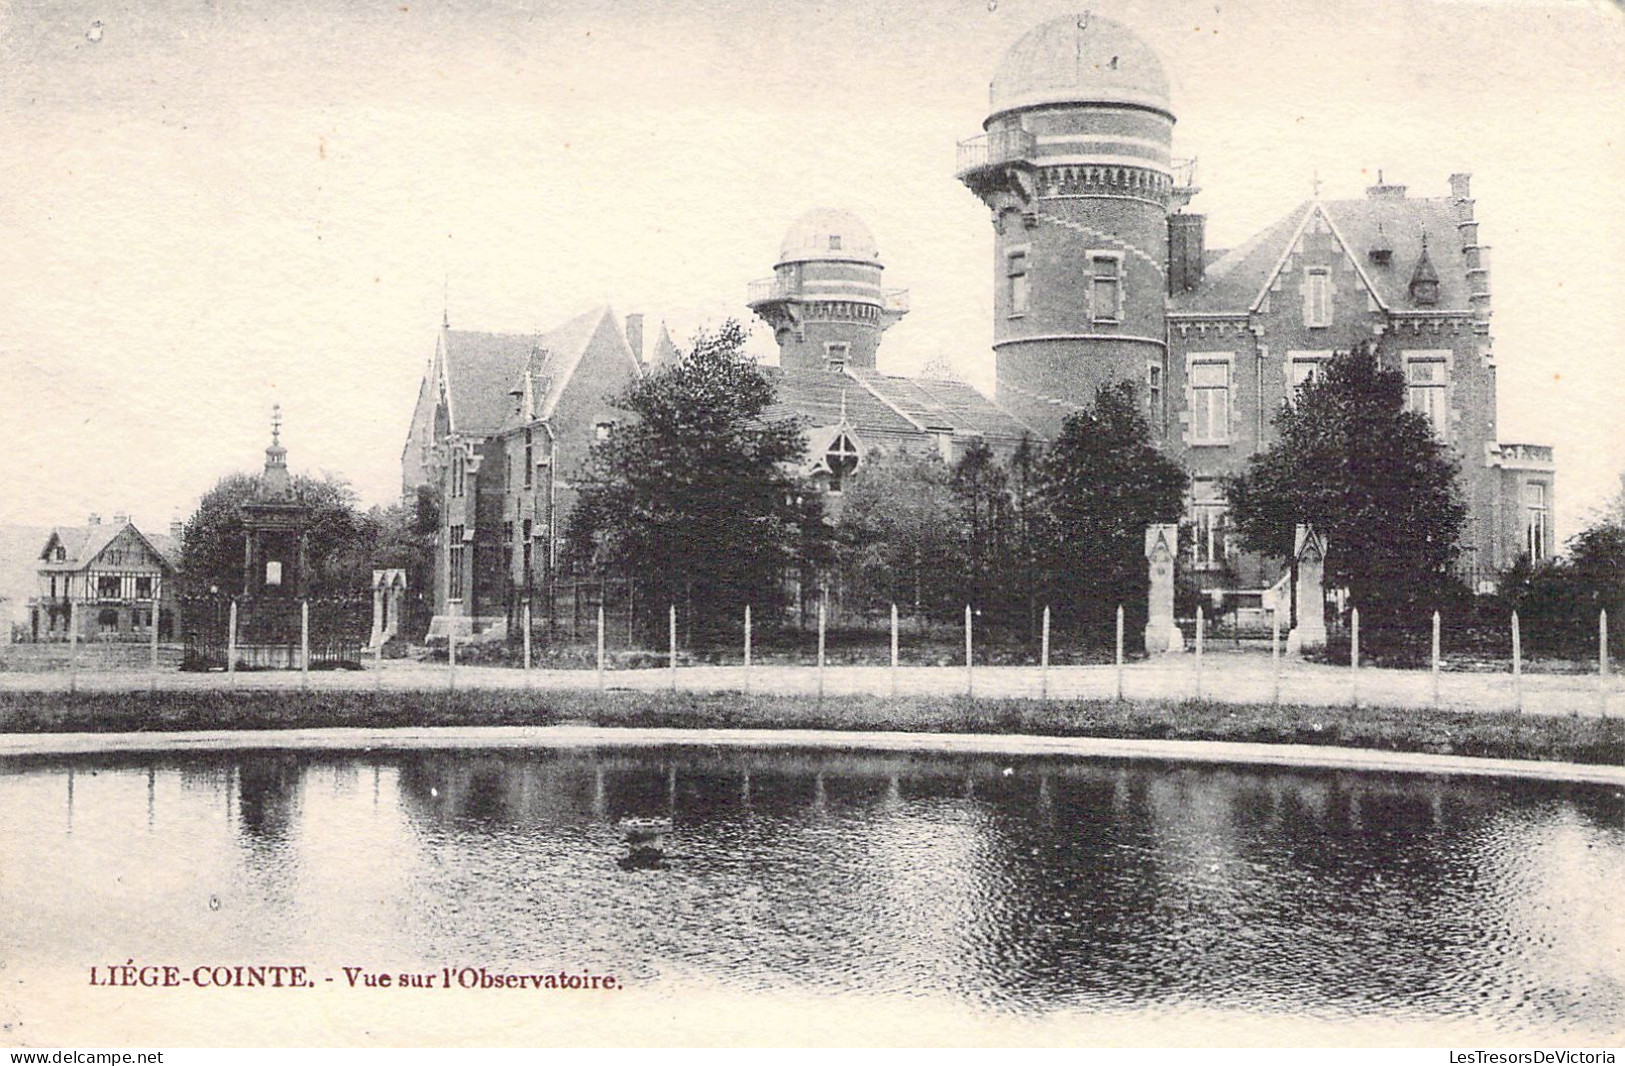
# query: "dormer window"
{"type": "Point", "coordinates": [842, 460]}
{"type": "Point", "coordinates": [1425, 279]}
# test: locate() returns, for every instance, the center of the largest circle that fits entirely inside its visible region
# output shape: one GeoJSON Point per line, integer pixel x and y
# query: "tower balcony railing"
{"type": "Point", "coordinates": [995, 149]}
{"type": "Point", "coordinates": [894, 300]}
{"type": "Point", "coordinates": [764, 290]}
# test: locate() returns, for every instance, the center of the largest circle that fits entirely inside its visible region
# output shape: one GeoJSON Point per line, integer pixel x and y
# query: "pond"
{"type": "Point", "coordinates": [1021, 886]}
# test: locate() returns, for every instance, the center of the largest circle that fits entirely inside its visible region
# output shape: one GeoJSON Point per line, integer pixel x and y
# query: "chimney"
{"type": "Point", "coordinates": [1187, 252]}
{"type": "Point", "coordinates": [634, 335]}
{"type": "Point", "coordinates": [177, 529]}
{"type": "Point", "coordinates": [120, 518]}
{"type": "Point", "coordinates": [1383, 191]}
{"type": "Point", "coordinates": [94, 519]}
{"type": "Point", "coordinates": [1459, 184]}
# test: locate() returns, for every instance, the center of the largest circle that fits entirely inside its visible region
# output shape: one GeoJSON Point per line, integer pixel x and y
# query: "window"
{"type": "Point", "coordinates": [1210, 403]}
{"type": "Point", "coordinates": [1317, 299]}
{"type": "Point", "coordinates": [1153, 388]}
{"type": "Point", "coordinates": [273, 573]}
{"type": "Point", "coordinates": [842, 460]}
{"type": "Point", "coordinates": [457, 473]}
{"type": "Point", "coordinates": [107, 620]}
{"type": "Point", "coordinates": [1536, 531]}
{"type": "Point", "coordinates": [530, 457]}
{"type": "Point", "coordinates": [1105, 287]}
{"type": "Point", "coordinates": [604, 430]}
{"type": "Point", "coordinates": [107, 587]}
{"type": "Point", "coordinates": [1016, 275]}
{"type": "Point", "coordinates": [1304, 367]}
{"type": "Point", "coordinates": [526, 551]}
{"type": "Point", "coordinates": [1428, 382]}
{"type": "Point", "coordinates": [835, 353]}
{"type": "Point", "coordinates": [1210, 544]}
{"type": "Point", "coordinates": [61, 553]}
{"type": "Point", "coordinates": [454, 564]}
{"type": "Point", "coordinates": [143, 588]}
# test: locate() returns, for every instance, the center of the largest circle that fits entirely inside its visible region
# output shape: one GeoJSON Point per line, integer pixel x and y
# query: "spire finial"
{"type": "Point", "coordinates": [445, 301]}
{"type": "Point", "coordinates": [276, 424]}
{"type": "Point", "coordinates": [1314, 183]}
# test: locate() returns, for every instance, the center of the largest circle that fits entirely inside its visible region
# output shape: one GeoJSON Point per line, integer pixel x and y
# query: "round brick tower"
{"type": "Point", "coordinates": [825, 301]}
{"type": "Point", "coordinates": [1075, 167]}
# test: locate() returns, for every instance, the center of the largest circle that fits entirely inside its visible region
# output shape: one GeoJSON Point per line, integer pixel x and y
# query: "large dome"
{"type": "Point", "coordinates": [828, 233]}
{"type": "Point", "coordinates": [1079, 59]}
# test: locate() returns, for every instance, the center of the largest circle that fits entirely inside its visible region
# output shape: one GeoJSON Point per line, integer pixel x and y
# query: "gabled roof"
{"type": "Point", "coordinates": [824, 398]}
{"type": "Point", "coordinates": [481, 370]}
{"type": "Point", "coordinates": [934, 403]}
{"type": "Point", "coordinates": [875, 403]}
{"type": "Point", "coordinates": [1236, 283]}
{"type": "Point", "coordinates": [82, 544]}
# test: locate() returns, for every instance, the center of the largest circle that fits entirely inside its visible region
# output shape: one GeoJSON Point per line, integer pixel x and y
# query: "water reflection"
{"type": "Point", "coordinates": [1025, 884]}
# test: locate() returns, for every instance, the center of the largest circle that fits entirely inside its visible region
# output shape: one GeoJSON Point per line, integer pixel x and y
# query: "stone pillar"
{"type": "Point", "coordinates": [1310, 594]}
{"type": "Point", "coordinates": [1161, 549]}
{"type": "Point", "coordinates": [388, 595]}
{"type": "Point", "coordinates": [377, 638]}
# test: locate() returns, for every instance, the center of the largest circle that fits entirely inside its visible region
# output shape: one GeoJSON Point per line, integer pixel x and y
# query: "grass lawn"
{"type": "Point", "coordinates": [1474, 733]}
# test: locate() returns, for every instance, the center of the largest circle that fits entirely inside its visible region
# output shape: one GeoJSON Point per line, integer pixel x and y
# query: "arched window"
{"type": "Point", "coordinates": [842, 460]}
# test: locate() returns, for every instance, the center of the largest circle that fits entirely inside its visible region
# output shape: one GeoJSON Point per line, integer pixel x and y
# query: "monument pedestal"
{"type": "Point", "coordinates": [1162, 636]}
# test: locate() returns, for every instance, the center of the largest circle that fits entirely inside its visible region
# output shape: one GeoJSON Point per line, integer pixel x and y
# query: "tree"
{"type": "Point", "coordinates": [1372, 476]}
{"type": "Point", "coordinates": [339, 539]}
{"type": "Point", "coordinates": [692, 496]}
{"type": "Point", "coordinates": [1101, 483]}
{"type": "Point", "coordinates": [896, 539]}
{"type": "Point", "coordinates": [981, 489]}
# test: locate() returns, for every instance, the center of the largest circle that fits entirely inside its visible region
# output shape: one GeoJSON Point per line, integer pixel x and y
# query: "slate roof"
{"type": "Point", "coordinates": [1233, 283]}
{"type": "Point", "coordinates": [483, 369]}
{"type": "Point", "coordinates": [820, 397]}
{"type": "Point", "coordinates": [933, 402]}
{"type": "Point", "coordinates": [879, 403]}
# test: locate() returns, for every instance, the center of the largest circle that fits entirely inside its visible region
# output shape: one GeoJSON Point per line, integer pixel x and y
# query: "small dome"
{"type": "Point", "coordinates": [828, 233]}
{"type": "Point", "coordinates": [1079, 59]}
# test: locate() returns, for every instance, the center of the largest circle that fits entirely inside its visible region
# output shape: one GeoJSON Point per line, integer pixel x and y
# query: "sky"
{"type": "Point", "coordinates": [211, 207]}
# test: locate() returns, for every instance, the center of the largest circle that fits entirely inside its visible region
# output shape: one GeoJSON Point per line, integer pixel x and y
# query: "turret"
{"type": "Point", "coordinates": [1075, 167]}
{"type": "Point", "coordinates": [825, 300]}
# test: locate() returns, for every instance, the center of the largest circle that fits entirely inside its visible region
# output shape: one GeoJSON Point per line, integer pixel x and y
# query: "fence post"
{"type": "Point", "coordinates": [1201, 625]}
{"type": "Point", "coordinates": [1602, 662]}
{"type": "Point", "coordinates": [970, 676]}
{"type": "Point", "coordinates": [1517, 665]}
{"type": "Point", "coordinates": [672, 642]}
{"type": "Point", "coordinates": [1354, 658]}
{"type": "Point", "coordinates": [304, 644]}
{"type": "Point", "coordinates": [894, 649]}
{"type": "Point", "coordinates": [747, 647]}
{"type": "Point", "coordinates": [1435, 660]}
{"type": "Point", "coordinates": [1043, 658]}
{"type": "Point", "coordinates": [820, 650]}
{"type": "Point", "coordinates": [525, 615]}
{"type": "Point", "coordinates": [1275, 655]}
{"type": "Point", "coordinates": [600, 644]}
{"type": "Point", "coordinates": [73, 643]}
{"type": "Point", "coordinates": [1119, 653]}
{"type": "Point", "coordinates": [231, 641]}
